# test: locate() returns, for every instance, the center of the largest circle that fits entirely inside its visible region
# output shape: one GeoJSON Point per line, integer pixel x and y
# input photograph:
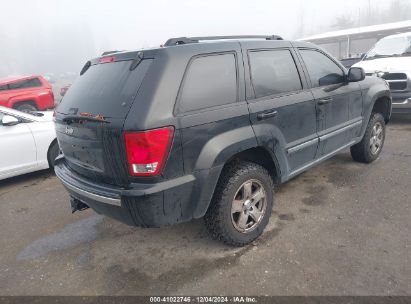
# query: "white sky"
{"type": "Point", "coordinates": [127, 24]}
{"type": "Point", "coordinates": [57, 36]}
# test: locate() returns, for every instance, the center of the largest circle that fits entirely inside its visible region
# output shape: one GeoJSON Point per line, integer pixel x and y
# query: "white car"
{"type": "Point", "coordinates": [27, 142]}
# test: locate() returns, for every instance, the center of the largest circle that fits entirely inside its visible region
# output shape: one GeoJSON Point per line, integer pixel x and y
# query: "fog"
{"type": "Point", "coordinates": [48, 36]}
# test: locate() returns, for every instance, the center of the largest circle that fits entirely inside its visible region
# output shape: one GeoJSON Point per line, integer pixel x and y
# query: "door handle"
{"type": "Point", "coordinates": [323, 101]}
{"type": "Point", "coordinates": [267, 114]}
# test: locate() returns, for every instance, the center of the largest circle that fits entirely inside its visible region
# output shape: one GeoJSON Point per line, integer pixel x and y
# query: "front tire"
{"type": "Point", "coordinates": [369, 148]}
{"type": "Point", "coordinates": [241, 205]}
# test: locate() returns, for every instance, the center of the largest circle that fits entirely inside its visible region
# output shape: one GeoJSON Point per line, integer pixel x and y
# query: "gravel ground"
{"type": "Point", "coordinates": [341, 228]}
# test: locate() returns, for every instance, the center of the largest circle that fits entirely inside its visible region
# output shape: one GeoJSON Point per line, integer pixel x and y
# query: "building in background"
{"type": "Point", "coordinates": [351, 43]}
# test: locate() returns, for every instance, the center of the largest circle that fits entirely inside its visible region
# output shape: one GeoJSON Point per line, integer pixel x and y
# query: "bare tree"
{"type": "Point", "coordinates": [343, 22]}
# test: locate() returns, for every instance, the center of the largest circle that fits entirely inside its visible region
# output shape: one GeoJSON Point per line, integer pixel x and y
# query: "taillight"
{"type": "Point", "coordinates": [147, 151]}
{"type": "Point", "coordinates": [107, 59]}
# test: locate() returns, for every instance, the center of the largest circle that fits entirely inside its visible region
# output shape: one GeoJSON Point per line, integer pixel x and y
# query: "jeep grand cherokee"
{"type": "Point", "coordinates": [203, 127]}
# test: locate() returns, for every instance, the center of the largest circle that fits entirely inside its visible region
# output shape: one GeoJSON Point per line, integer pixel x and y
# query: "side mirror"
{"type": "Point", "coordinates": [9, 120]}
{"type": "Point", "coordinates": [356, 74]}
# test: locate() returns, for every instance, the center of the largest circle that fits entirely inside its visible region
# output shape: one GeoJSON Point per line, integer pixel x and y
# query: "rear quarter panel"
{"type": "Point", "coordinates": [44, 134]}
{"type": "Point", "coordinates": [42, 97]}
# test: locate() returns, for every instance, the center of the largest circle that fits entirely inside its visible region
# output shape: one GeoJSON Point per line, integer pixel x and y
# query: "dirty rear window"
{"type": "Point", "coordinates": [108, 89]}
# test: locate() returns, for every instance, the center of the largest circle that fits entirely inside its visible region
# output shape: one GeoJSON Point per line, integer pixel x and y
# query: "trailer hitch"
{"type": "Point", "coordinates": [77, 205]}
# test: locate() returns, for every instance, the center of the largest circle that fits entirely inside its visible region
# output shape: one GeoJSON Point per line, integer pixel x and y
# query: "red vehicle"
{"type": "Point", "coordinates": [26, 93]}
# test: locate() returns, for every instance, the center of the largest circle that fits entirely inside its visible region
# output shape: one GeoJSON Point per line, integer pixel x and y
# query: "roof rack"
{"type": "Point", "coordinates": [186, 40]}
{"type": "Point", "coordinates": [110, 52]}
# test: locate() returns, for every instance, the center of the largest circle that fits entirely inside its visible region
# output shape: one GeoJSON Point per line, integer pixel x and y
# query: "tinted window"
{"type": "Point", "coordinates": [28, 83]}
{"type": "Point", "coordinates": [3, 87]}
{"type": "Point", "coordinates": [273, 72]}
{"type": "Point", "coordinates": [107, 89]}
{"type": "Point", "coordinates": [209, 81]}
{"type": "Point", "coordinates": [322, 70]}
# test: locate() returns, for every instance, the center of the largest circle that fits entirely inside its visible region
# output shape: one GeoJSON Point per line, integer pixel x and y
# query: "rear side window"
{"type": "Point", "coordinates": [273, 72]}
{"type": "Point", "coordinates": [28, 83]}
{"type": "Point", "coordinates": [108, 89]}
{"type": "Point", "coordinates": [209, 81]}
{"type": "Point", "coordinates": [3, 87]}
{"type": "Point", "coordinates": [322, 70]}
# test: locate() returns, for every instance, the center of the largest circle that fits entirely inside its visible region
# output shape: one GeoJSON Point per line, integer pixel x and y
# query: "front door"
{"type": "Point", "coordinates": [336, 101]}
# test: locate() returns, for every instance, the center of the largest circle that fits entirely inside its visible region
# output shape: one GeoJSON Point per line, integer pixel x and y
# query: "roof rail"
{"type": "Point", "coordinates": [110, 52]}
{"type": "Point", "coordinates": [186, 40]}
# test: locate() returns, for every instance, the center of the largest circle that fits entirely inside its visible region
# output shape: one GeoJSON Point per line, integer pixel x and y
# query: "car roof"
{"type": "Point", "coordinates": [12, 79]}
{"type": "Point", "coordinates": [204, 45]}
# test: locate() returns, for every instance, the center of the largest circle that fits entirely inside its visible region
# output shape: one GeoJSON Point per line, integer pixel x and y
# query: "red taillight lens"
{"type": "Point", "coordinates": [107, 59]}
{"type": "Point", "coordinates": [147, 151]}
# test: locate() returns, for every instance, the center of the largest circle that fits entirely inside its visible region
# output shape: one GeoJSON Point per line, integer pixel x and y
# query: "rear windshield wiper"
{"type": "Point", "coordinates": [72, 118]}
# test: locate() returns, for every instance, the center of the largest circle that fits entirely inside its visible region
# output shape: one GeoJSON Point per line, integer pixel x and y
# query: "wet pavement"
{"type": "Point", "coordinates": [341, 228]}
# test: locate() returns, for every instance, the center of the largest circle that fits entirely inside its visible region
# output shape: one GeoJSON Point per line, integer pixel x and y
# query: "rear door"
{"type": "Point", "coordinates": [281, 105]}
{"type": "Point", "coordinates": [339, 103]}
{"type": "Point", "coordinates": [90, 118]}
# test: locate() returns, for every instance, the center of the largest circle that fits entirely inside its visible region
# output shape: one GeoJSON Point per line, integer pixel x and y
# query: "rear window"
{"type": "Point", "coordinates": [24, 84]}
{"type": "Point", "coordinates": [108, 89]}
{"type": "Point", "coordinates": [273, 72]}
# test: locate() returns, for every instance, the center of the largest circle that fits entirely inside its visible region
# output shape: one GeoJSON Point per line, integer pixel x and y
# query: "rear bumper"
{"type": "Point", "coordinates": [145, 205]}
{"type": "Point", "coordinates": [401, 102]}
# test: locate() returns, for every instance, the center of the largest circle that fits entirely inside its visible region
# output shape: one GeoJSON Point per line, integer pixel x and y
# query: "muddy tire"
{"type": "Point", "coordinates": [369, 148]}
{"type": "Point", "coordinates": [241, 205]}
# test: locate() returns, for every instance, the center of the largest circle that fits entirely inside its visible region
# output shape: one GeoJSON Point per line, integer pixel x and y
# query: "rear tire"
{"type": "Point", "coordinates": [25, 107]}
{"type": "Point", "coordinates": [241, 205]}
{"type": "Point", "coordinates": [369, 148]}
{"type": "Point", "coordinates": [53, 152]}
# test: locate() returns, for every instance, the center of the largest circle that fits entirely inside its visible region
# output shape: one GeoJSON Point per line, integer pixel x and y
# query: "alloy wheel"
{"type": "Point", "coordinates": [248, 206]}
{"type": "Point", "coordinates": [376, 139]}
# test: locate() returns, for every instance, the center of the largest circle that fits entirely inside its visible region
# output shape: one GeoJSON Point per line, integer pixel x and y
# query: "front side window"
{"type": "Point", "coordinates": [24, 84]}
{"type": "Point", "coordinates": [322, 70]}
{"type": "Point", "coordinates": [3, 87]}
{"type": "Point", "coordinates": [273, 72]}
{"type": "Point", "coordinates": [209, 81]}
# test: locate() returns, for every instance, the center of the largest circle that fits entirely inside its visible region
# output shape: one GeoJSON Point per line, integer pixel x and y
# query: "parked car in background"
{"type": "Point", "coordinates": [64, 89]}
{"type": "Point", "coordinates": [348, 62]}
{"type": "Point", "coordinates": [390, 59]}
{"type": "Point", "coordinates": [204, 129]}
{"type": "Point", "coordinates": [27, 142]}
{"type": "Point", "coordinates": [26, 93]}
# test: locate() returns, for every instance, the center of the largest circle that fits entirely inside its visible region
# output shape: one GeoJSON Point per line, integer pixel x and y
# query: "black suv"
{"type": "Point", "coordinates": [203, 127]}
